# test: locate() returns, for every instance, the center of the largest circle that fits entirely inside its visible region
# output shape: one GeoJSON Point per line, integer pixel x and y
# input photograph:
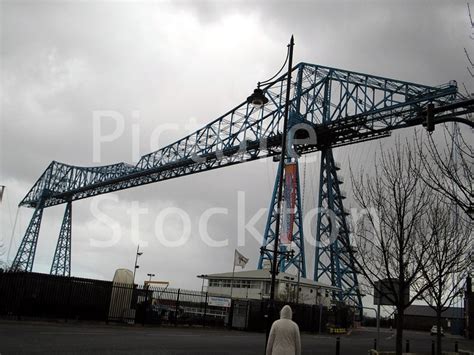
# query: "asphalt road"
{"type": "Point", "coordinates": [52, 338]}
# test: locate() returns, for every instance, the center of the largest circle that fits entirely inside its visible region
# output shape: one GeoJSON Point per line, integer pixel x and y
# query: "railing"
{"type": "Point", "coordinates": [33, 295]}
{"type": "Point", "coordinates": [42, 296]}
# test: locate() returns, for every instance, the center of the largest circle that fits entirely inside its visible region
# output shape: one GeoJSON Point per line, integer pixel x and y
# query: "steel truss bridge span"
{"type": "Point", "coordinates": [341, 107]}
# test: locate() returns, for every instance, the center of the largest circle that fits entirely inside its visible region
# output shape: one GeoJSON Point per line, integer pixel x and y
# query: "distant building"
{"type": "Point", "coordinates": [255, 284]}
{"type": "Point", "coordinates": [422, 317]}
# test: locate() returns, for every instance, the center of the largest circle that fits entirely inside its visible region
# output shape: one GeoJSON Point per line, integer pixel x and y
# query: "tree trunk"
{"type": "Point", "coordinates": [399, 336]}
{"type": "Point", "coordinates": [438, 334]}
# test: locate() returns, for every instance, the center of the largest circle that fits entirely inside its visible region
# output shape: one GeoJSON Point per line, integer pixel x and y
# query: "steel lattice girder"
{"type": "Point", "coordinates": [298, 259]}
{"type": "Point", "coordinates": [62, 256]}
{"type": "Point", "coordinates": [343, 107]}
{"type": "Point", "coordinates": [334, 257]}
{"type": "Point", "coordinates": [26, 252]}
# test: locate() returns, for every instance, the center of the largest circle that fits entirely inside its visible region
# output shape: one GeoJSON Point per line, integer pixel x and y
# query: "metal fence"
{"type": "Point", "coordinates": [252, 315]}
{"type": "Point", "coordinates": [34, 295]}
{"type": "Point", "coordinates": [179, 307]}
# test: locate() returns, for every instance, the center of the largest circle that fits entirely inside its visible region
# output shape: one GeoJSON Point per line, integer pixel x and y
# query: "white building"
{"type": "Point", "coordinates": [255, 284]}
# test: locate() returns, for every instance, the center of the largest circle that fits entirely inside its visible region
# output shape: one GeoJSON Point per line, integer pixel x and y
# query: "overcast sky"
{"type": "Point", "coordinates": [175, 66]}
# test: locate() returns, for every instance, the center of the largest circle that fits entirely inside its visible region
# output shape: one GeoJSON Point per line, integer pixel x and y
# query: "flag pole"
{"type": "Point", "coordinates": [231, 311]}
{"type": "Point", "coordinates": [232, 281]}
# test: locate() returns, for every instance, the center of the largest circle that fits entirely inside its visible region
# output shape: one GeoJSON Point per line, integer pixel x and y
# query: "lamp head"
{"type": "Point", "coordinates": [258, 98]}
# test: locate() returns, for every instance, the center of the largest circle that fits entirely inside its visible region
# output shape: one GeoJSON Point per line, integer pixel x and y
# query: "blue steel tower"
{"type": "Point", "coordinates": [334, 257]}
{"type": "Point", "coordinates": [297, 235]}
{"type": "Point", "coordinates": [26, 252]}
{"type": "Point", "coordinates": [62, 256]}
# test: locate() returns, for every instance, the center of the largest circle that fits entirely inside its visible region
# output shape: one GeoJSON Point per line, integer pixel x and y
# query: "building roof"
{"type": "Point", "coordinates": [265, 275]}
{"type": "Point", "coordinates": [427, 311]}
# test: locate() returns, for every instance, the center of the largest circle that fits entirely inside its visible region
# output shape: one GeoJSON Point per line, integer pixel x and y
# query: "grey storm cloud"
{"type": "Point", "coordinates": [168, 66]}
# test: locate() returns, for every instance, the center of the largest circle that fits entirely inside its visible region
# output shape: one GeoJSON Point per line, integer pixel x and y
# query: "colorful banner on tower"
{"type": "Point", "coordinates": [289, 203]}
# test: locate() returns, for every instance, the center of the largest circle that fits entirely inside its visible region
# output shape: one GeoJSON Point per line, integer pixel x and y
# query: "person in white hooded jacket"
{"type": "Point", "coordinates": [284, 338]}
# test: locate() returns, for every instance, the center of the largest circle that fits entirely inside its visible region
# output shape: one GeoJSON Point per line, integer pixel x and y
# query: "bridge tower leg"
{"type": "Point", "coordinates": [62, 256]}
{"type": "Point", "coordinates": [334, 257]}
{"type": "Point", "coordinates": [297, 237]}
{"type": "Point", "coordinates": [26, 252]}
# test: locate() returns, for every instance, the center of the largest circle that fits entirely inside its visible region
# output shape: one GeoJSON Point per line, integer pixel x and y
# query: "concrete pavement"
{"type": "Point", "coordinates": [21, 337]}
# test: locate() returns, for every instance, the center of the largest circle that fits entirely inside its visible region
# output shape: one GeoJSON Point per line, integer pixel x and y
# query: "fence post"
{"type": "Point", "coordinates": [205, 311]}
{"type": "Point", "coordinates": [110, 302]}
{"type": "Point", "coordinates": [145, 304]}
{"type": "Point", "coordinates": [20, 300]}
{"type": "Point", "coordinates": [407, 347]}
{"type": "Point", "coordinates": [247, 312]}
{"type": "Point", "coordinates": [320, 317]}
{"type": "Point", "coordinates": [68, 305]}
{"type": "Point", "coordinates": [231, 314]}
{"type": "Point", "coordinates": [433, 347]}
{"type": "Point", "coordinates": [176, 308]}
{"type": "Point", "coordinates": [338, 345]}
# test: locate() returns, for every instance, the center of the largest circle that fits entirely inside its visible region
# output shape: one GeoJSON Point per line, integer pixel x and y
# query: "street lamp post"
{"type": "Point", "coordinates": [135, 267]}
{"type": "Point", "coordinates": [150, 276]}
{"type": "Point", "coordinates": [274, 269]}
{"type": "Point", "coordinates": [203, 277]}
{"type": "Point", "coordinates": [258, 99]}
{"type": "Point", "coordinates": [202, 286]}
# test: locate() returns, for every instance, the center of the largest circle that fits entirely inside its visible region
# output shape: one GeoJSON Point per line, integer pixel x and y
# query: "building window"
{"type": "Point", "coordinates": [256, 284]}
{"type": "Point", "coordinates": [267, 287]}
{"type": "Point", "coordinates": [237, 283]}
{"type": "Point", "coordinates": [215, 283]}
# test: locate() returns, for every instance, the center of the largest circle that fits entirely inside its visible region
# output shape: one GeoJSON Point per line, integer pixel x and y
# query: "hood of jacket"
{"type": "Point", "coordinates": [286, 312]}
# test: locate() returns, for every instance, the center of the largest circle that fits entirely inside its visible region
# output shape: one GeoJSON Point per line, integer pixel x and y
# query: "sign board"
{"type": "Point", "coordinates": [384, 294]}
{"type": "Point", "coordinates": [219, 301]}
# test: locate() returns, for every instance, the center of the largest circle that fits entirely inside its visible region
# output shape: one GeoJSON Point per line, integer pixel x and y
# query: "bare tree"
{"type": "Point", "coordinates": [447, 166]}
{"type": "Point", "coordinates": [470, 65]}
{"type": "Point", "coordinates": [447, 258]}
{"type": "Point", "coordinates": [389, 240]}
